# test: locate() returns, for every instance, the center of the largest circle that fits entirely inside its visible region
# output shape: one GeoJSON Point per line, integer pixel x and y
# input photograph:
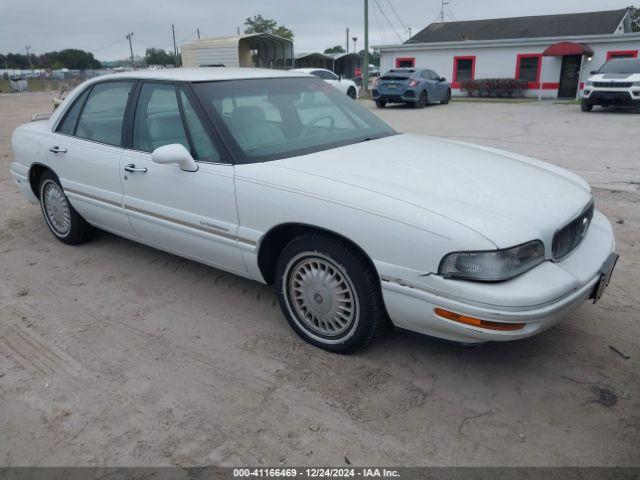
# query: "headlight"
{"type": "Point", "coordinates": [589, 84]}
{"type": "Point", "coordinates": [492, 265]}
{"type": "Point", "coordinates": [636, 84]}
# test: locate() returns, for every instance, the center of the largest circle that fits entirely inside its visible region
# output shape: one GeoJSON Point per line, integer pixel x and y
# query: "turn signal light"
{"type": "Point", "coordinates": [476, 322]}
{"type": "Point", "coordinates": [413, 83]}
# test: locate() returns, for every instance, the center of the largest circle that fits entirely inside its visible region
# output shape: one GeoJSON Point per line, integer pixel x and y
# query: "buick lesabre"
{"type": "Point", "coordinates": [280, 178]}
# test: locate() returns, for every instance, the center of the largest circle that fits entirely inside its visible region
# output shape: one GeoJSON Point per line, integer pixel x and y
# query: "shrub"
{"type": "Point", "coordinates": [494, 87]}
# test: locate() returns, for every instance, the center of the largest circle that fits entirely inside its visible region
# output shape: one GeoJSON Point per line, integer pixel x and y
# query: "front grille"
{"type": "Point", "coordinates": [570, 236]}
{"type": "Point", "coordinates": [613, 84]}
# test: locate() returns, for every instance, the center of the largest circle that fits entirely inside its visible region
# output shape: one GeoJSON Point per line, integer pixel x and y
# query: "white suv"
{"type": "Point", "coordinates": [616, 83]}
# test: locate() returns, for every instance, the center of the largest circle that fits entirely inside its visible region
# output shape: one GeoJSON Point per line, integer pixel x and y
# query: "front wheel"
{"type": "Point", "coordinates": [380, 103]}
{"type": "Point", "coordinates": [63, 220]}
{"type": "Point", "coordinates": [329, 293]}
{"type": "Point", "coordinates": [352, 93]}
{"type": "Point", "coordinates": [586, 107]}
{"type": "Point", "coordinates": [447, 98]}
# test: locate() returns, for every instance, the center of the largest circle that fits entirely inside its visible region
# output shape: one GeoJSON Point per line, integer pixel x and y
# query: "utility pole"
{"type": "Point", "coordinates": [133, 65]}
{"type": "Point", "coordinates": [365, 71]}
{"type": "Point", "coordinates": [29, 58]}
{"type": "Point", "coordinates": [175, 50]}
{"type": "Point", "coordinates": [442, 4]}
{"type": "Point", "coordinates": [198, 30]}
{"type": "Point", "coordinates": [347, 39]}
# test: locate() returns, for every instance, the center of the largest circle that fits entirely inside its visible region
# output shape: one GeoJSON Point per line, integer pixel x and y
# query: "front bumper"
{"type": "Point", "coordinates": [539, 298]}
{"type": "Point", "coordinates": [612, 97]}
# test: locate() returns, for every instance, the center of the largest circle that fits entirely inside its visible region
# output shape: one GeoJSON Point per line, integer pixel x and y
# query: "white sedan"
{"type": "Point", "coordinates": [279, 178]}
{"type": "Point", "coordinates": [346, 86]}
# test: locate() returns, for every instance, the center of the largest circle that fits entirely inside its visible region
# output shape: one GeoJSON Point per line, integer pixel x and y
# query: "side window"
{"type": "Point", "coordinates": [330, 75]}
{"type": "Point", "coordinates": [317, 73]}
{"type": "Point", "coordinates": [102, 115]}
{"type": "Point", "coordinates": [68, 125]}
{"type": "Point", "coordinates": [204, 148]}
{"type": "Point", "coordinates": [425, 75]}
{"type": "Point", "coordinates": [157, 120]}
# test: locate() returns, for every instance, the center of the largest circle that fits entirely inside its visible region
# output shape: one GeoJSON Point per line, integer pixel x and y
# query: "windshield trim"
{"type": "Point", "coordinates": [237, 153]}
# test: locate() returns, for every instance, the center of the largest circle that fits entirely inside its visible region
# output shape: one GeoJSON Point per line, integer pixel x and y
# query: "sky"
{"type": "Point", "coordinates": [101, 26]}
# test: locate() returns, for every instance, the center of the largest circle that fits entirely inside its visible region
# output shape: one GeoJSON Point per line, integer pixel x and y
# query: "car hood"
{"type": "Point", "coordinates": [615, 77]}
{"type": "Point", "coordinates": [506, 198]}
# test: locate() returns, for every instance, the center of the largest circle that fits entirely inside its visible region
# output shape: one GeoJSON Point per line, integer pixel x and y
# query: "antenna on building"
{"type": "Point", "coordinates": [441, 16]}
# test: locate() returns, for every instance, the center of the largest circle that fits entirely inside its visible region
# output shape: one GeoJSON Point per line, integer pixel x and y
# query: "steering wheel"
{"type": "Point", "coordinates": [319, 118]}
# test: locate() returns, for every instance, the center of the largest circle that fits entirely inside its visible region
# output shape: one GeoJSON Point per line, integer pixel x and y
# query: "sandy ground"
{"type": "Point", "coordinates": [113, 353]}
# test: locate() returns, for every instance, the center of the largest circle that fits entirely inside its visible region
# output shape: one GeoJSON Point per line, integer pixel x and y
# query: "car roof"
{"type": "Point", "coordinates": [203, 74]}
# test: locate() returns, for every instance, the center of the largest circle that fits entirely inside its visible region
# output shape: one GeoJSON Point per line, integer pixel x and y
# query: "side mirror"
{"type": "Point", "coordinates": [442, 79]}
{"type": "Point", "coordinates": [593, 72]}
{"type": "Point", "coordinates": [339, 78]}
{"type": "Point", "coordinates": [175, 153]}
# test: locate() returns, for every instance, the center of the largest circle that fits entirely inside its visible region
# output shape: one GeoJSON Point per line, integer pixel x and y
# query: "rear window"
{"type": "Point", "coordinates": [396, 76]}
{"type": "Point", "coordinates": [621, 66]}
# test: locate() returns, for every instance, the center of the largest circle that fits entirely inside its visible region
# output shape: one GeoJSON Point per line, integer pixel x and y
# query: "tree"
{"type": "Point", "coordinates": [158, 56]}
{"type": "Point", "coordinates": [374, 57]}
{"type": "Point", "coordinates": [634, 14]}
{"type": "Point", "coordinates": [336, 49]}
{"type": "Point", "coordinates": [259, 24]}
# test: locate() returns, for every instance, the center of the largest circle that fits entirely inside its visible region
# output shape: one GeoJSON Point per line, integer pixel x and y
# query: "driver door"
{"type": "Point", "coordinates": [192, 214]}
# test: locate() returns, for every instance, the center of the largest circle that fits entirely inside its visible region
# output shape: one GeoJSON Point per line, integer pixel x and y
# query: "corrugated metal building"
{"type": "Point", "coordinates": [261, 50]}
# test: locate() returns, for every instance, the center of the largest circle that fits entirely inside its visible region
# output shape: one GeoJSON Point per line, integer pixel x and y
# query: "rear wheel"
{"type": "Point", "coordinates": [422, 100]}
{"type": "Point", "coordinates": [447, 98]}
{"type": "Point", "coordinates": [380, 103]}
{"type": "Point", "coordinates": [329, 293]}
{"type": "Point", "coordinates": [586, 107]}
{"type": "Point", "coordinates": [352, 93]}
{"type": "Point", "coordinates": [62, 219]}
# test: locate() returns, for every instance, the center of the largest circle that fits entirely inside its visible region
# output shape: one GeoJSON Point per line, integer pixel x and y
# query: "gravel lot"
{"type": "Point", "coordinates": [116, 354]}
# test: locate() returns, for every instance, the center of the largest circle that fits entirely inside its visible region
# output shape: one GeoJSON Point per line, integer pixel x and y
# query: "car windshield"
{"type": "Point", "coordinates": [621, 66]}
{"type": "Point", "coordinates": [275, 118]}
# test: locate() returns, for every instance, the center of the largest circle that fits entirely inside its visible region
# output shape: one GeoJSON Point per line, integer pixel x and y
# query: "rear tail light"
{"type": "Point", "coordinates": [413, 83]}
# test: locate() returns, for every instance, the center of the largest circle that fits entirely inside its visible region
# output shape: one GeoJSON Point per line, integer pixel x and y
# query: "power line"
{"type": "Point", "coordinates": [108, 45]}
{"type": "Point", "coordinates": [403, 24]}
{"type": "Point", "coordinates": [388, 21]}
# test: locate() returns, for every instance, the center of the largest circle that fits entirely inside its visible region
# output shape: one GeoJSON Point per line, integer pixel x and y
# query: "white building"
{"type": "Point", "coordinates": [554, 53]}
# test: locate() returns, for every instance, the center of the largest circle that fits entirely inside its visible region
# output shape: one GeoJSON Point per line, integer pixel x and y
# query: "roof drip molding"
{"type": "Point", "coordinates": [561, 49]}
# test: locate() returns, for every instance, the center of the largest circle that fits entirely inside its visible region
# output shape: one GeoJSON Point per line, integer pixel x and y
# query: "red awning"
{"type": "Point", "coordinates": [567, 48]}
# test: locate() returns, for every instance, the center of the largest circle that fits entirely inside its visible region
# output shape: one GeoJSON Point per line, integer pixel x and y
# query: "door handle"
{"type": "Point", "coordinates": [57, 149]}
{"type": "Point", "coordinates": [132, 169]}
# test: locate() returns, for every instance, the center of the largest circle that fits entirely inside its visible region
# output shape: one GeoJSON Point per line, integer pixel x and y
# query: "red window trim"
{"type": "Point", "coordinates": [454, 77]}
{"type": "Point", "coordinates": [406, 59]}
{"type": "Point", "coordinates": [520, 56]}
{"type": "Point", "coordinates": [611, 53]}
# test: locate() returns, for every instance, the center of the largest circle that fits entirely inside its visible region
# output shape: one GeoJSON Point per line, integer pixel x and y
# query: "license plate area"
{"type": "Point", "coordinates": [605, 277]}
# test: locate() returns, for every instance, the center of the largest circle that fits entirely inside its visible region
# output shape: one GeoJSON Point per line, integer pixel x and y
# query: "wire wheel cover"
{"type": "Point", "coordinates": [322, 296]}
{"type": "Point", "coordinates": [56, 208]}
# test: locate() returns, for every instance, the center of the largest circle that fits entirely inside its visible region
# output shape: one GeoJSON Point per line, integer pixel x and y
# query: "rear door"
{"type": "Point", "coordinates": [192, 214]}
{"type": "Point", "coordinates": [85, 153]}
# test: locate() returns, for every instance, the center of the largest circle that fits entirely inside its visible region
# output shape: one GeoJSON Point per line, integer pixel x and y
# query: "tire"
{"type": "Point", "coordinates": [447, 98]}
{"type": "Point", "coordinates": [380, 103]}
{"type": "Point", "coordinates": [352, 93]}
{"type": "Point", "coordinates": [63, 220]}
{"type": "Point", "coordinates": [345, 277]}
{"type": "Point", "coordinates": [586, 107]}
{"type": "Point", "coordinates": [422, 101]}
